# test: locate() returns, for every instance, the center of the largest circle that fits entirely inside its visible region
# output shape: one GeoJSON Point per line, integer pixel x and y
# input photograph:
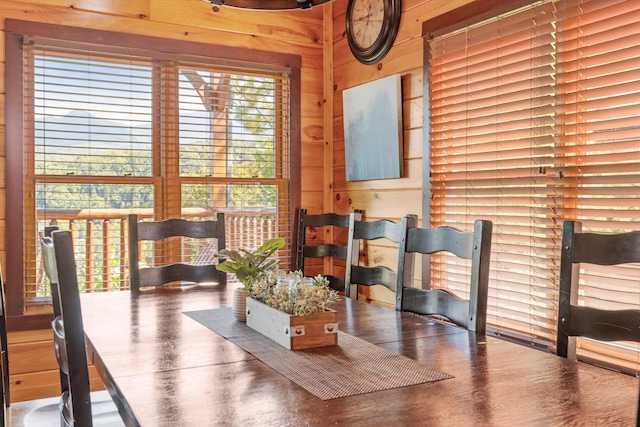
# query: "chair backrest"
{"type": "Point", "coordinates": [68, 332]}
{"type": "Point", "coordinates": [581, 321]}
{"type": "Point", "coordinates": [196, 272]}
{"type": "Point", "coordinates": [4, 354]}
{"type": "Point", "coordinates": [357, 274]}
{"type": "Point", "coordinates": [308, 234]}
{"type": "Point", "coordinates": [472, 245]}
{"type": "Point", "coordinates": [50, 269]}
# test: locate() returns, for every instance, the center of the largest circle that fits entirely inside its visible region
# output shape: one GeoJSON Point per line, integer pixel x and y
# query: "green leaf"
{"type": "Point", "coordinates": [272, 245]}
{"type": "Point", "coordinates": [248, 265]}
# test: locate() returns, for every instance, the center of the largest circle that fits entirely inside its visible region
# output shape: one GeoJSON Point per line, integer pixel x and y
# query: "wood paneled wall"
{"type": "Point", "coordinates": [318, 36]}
{"type": "Point", "coordinates": [33, 366]}
{"type": "Point", "coordinates": [387, 198]}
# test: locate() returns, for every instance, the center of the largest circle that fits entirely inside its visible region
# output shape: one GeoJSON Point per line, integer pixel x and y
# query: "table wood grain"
{"type": "Point", "coordinates": [166, 369]}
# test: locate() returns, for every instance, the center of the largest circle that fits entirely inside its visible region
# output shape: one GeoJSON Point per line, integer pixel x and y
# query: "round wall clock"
{"type": "Point", "coordinates": [372, 26]}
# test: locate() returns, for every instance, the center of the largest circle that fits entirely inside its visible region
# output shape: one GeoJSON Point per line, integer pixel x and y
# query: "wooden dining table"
{"type": "Point", "coordinates": [163, 368]}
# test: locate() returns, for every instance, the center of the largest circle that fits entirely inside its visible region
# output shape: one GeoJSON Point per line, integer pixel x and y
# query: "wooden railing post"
{"type": "Point", "coordinates": [88, 257]}
{"type": "Point", "coordinates": [124, 253]}
{"type": "Point", "coordinates": [106, 254]}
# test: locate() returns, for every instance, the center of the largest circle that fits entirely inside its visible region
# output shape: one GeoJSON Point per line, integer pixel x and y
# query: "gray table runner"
{"type": "Point", "coordinates": [352, 367]}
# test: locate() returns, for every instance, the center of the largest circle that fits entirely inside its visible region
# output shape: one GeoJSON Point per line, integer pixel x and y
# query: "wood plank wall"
{"type": "Point", "coordinates": [387, 198]}
{"type": "Point", "coordinates": [318, 36]}
{"type": "Point", "coordinates": [33, 366]}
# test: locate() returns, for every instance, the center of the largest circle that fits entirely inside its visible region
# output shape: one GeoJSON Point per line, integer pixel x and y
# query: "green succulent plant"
{"type": "Point", "coordinates": [247, 265]}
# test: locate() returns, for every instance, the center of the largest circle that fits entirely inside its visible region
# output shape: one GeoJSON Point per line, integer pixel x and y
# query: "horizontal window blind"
{"type": "Point", "coordinates": [535, 120]}
{"type": "Point", "coordinates": [111, 134]}
{"type": "Point", "coordinates": [92, 115]}
{"type": "Point", "coordinates": [599, 90]}
{"type": "Point", "coordinates": [493, 135]}
{"type": "Point", "coordinates": [234, 149]}
{"type": "Point", "coordinates": [91, 158]}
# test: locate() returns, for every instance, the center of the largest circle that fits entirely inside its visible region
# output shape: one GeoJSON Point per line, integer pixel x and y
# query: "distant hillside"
{"type": "Point", "coordinates": [83, 130]}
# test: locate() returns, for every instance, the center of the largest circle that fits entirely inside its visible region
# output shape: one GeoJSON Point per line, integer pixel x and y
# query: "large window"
{"type": "Point", "coordinates": [535, 119]}
{"type": "Point", "coordinates": [111, 130]}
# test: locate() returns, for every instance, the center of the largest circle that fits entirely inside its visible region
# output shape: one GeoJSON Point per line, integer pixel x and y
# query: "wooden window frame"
{"type": "Point", "coordinates": [15, 130]}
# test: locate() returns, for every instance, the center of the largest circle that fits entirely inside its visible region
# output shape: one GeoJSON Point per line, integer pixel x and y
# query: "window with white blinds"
{"type": "Point", "coordinates": [535, 119]}
{"type": "Point", "coordinates": [108, 134]}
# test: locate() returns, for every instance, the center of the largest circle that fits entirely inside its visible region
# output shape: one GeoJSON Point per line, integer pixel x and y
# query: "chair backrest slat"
{"type": "Point", "coordinates": [432, 240]}
{"type": "Point", "coordinates": [180, 227]}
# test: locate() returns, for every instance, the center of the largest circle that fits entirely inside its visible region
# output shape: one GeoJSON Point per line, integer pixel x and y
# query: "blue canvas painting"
{"type": "Point", "coordinates": [373, 129]}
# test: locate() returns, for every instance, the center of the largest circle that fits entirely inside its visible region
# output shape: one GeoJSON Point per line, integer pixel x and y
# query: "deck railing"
{"type": "Point", "coordinates": [100, 241]}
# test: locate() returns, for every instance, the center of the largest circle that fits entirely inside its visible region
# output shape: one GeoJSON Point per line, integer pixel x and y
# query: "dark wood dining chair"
{"type": "Point", "coordinates": [574, 320]}
{"type": "Point", "coordinates": [311, 230]}
{"type": "Point", "coordinates": [76, 406]}
{"type": "Point", "coordinates": [51, 271]}
{"type": "Point", "coordinates": [170, 233]}
{"type": "Point", "coordinates": [4, 355]}
{"type": "Point", "coordinates": [472, 245]}
{"type": "Point", "coordinates": [370, 275]}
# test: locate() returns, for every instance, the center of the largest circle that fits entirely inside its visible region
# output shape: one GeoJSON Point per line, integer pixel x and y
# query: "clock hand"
{"type": "Point", "coordinates": [369, 13]}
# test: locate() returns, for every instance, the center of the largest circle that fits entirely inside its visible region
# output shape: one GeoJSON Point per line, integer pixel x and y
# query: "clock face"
{"type": "Point", "coordinates": [372, 26]}
{"type": "Point", "coordinates": [366, 21]}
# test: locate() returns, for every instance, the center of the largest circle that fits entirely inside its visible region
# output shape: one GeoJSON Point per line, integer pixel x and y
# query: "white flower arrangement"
{"type": "Point", "coordinates": [293, 293]}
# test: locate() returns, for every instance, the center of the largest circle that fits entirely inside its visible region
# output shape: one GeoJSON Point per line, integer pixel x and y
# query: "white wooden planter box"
{"type": "Point", "coordinates": [293, 332]}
